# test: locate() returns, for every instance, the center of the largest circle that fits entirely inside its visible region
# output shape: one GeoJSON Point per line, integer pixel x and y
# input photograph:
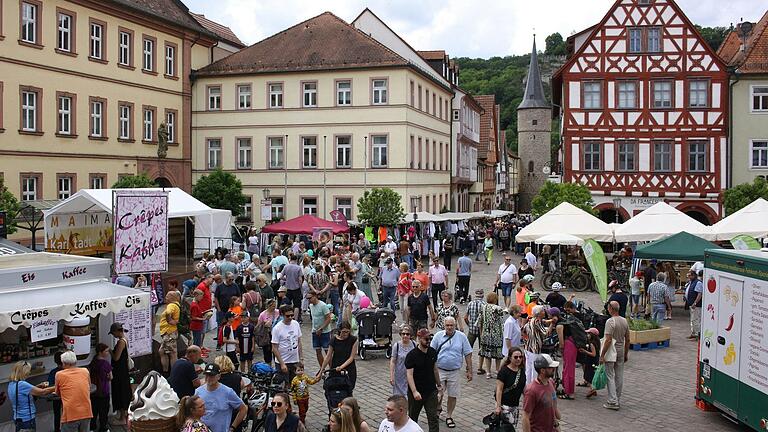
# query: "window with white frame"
{"type": "Point", "coordinates": [247, 213]}
{"type": "Point", "coordinates": [593, 95]}
{"type": "Point", "coordinates": [344, 205]}
{"type": "Point", "coordinates": [379, 151]}
{"type": "Point", "coordinates": [654, 39]}
{"type": "Point", "coordinates": [170, 60]}
{"type": "Point", "coordinates": [149, 124]}
{"type": "Point", "coordinates": [344, 92]}
{"type": "Point", "coordinates": [97, 34]}
{"type": "Point", "coordinates": [65, 187]}
{"type": "Point", "coordinates": [244, 153]}
{"type": "Point", "coordinates": [276, 152]}
{"type": "Point", "coordinates": [455, 115]}
{"type": "Point", "coordinates": [309, 152]}
{"type": "Point", "coordinates": [759, 153]}
{"type": "Point", "coordinates": [662, 156]}
{"type": "Point", "coordinates": [97, 182]}
{"type": "Point", "coordinates": [635, 40]}
{"type": "Point", "coordinates": [760, 98]}
{"type": "Point", "coordinates": [662, 94]}
{"type": "Point", "coordinates": [343, 151]}
{"type": "Point", "coordinates": [124, 48]}
{"type": "Point", "coordinates": [28, 111]}
{"type": "Point", "coordinates": [65, 115]}
{"type": "Point", "coordinates": [244, 96]}
{"type": "Point", "coordinates": [697, 156]}
{"type": "Point", "coordinates": [698, 93]}
{"type": "Point", "coordinates": [214, 98]}
{"type": "Point", "coordinates": [170, 125]}
{"type": "Point", "coordinates": [627, 154]}
{"type": "Point", "coordinates": [64, 34]}
{"type": "Point", "coordinates": [627, 94]}
{"type": "Point", "coordinates": [380, 91]}
{"type": "Point", "coordinates": [97, 118]}
{"type": "Point", "coordinates": [309, 206]}
{"type": "Point", "coordinates": [214, 153]}
{"type": "Point", "coordinates": [592, 155]}
{"type": "Point", "coordinates": [124, 120]}
{"type": "Point", "coordinates": [309, 90]}
{"type": "Point", "coordinates": [275, 95]}
{"type": "Point", "coordinates": [29, 188]}
{"type": "Point", "coordinates": [278, 209]}
{"type": "Point", "coordinates": [148, 55]}
{"type": "Point", "coordinates": [29, 22]}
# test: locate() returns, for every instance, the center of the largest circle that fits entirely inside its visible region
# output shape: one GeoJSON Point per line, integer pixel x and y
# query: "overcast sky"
{"type": "Point", "coordinates": [464, 28]}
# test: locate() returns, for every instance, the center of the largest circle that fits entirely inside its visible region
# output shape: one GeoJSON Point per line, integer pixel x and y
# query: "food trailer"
{"type": "Point", "coordinates": [733, 348]}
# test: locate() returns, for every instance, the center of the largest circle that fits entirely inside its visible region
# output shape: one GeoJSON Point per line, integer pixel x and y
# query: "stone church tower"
{"type": "Point", "coordinates": [534, 129]}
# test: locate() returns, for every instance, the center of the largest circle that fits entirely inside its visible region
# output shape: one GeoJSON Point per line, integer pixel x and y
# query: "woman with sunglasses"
{"type": "Point", "coordinates": [191, 409]}
{"type": "Point", "coordinates": [281, 419]}
{"type": "Point", "coordinates": [21, 394]}
{"type": "Point", "coordinates": [397, 373]}
{"type": "Point", "coordinates": [510, 383]}
{"type": "Point", "coordinates": [340, 421]}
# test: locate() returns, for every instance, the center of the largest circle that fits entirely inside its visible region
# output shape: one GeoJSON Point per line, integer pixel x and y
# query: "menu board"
{"type": "Point", "coordinates": [754, 358]}
{"type": "Point", "coordinates": [138, 324]}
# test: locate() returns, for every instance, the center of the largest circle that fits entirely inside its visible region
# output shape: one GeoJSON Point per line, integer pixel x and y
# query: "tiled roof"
{"type": "Point", "coordinates": [168, 10]}
{"type": "Point", "coordinates": [487, 128]}
{"type": "Point", "coordinates": [432, 55]}
{"type": "Point", "coordinates": [325, 42]}
{"type": "Point", "coordinates": [754, 59]}
{"type": "Point", "coordinates": [220, 30]}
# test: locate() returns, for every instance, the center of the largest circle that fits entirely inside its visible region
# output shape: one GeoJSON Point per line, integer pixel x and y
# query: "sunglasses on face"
{"type": "Point", "coordinates": [288, 315]}
{"type": "Point", "coordinates": [405, 334]}
{"type": "Point", "coordinates": [277, 404]}
{"type": "Point", "coordinates": [517, 357]}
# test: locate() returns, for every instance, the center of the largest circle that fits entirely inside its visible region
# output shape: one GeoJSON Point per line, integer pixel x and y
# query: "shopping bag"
{"type": "Point", "coordinates": [600, 380]}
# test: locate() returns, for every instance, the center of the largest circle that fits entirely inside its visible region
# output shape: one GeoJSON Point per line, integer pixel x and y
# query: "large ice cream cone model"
{"type": "Point", "coordinates": [154, 406]}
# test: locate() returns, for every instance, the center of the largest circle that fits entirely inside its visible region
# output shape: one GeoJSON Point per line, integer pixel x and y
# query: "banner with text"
{"type": "Point", "coordinates": [745, 242]}
{"type": "Point", "coordinates": [141, 231]}
{"type": "Point", "coordinates": [79, 233]}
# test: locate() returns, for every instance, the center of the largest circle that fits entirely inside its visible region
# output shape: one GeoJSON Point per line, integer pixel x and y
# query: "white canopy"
{"type": "Point", "coordinates": [751, 220]}
{"type": "Point", "coordinates": [560, 239]}
{"type": "Point", "coordinates": [423, 217]}
{"type": "Point", "coordinates": [456, 216]}
{"type": "Point", "coordinates": [659, 221]}
{"type": "Point", "coordinates": [566, 219]}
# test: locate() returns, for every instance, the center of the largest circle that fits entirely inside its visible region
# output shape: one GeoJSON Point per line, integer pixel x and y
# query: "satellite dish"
{"type": "Point", "coordinates": [745, 28]}
{"type": "Point", "coordinates": [546, 170]}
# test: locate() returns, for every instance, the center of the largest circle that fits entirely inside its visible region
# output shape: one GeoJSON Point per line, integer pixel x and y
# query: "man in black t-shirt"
{"type": "Point", "coordinates": [418, 305]}
{"type": "Point", "coordinates": [423, 380]}
{"type": "Point", "coordinates": [183, 377]}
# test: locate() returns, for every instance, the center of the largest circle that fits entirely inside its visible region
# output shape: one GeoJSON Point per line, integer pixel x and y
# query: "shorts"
{"type": "Point", "coordinates": [450, 382]}
{"type": "Point", "coordinates": [233, 356]}
{"type": "Point", "coordinates": [635, 298]}
{"type": "Point", "coordinates": [295, 297]}
{"type": "Point", "coordinates": [170, 343]}
{"type": "Point", "coordinates": [322, 341]}
{"type": "Point", "coordinates": [246, 356]}
{"type": "Point", "coordinates": [506, 288]}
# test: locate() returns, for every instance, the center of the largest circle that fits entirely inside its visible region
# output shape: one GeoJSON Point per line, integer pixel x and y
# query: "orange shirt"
{"type": "Point", "coordinates": [423, 278]}
{"type": "Point", "coordinates": [237, 310]}
{"type": "Point", "coordinates": [520, 297]}
{"type": "Point", "coordinates": [73, 385]}
{"type": "Point", "coordinates": [529, 308]}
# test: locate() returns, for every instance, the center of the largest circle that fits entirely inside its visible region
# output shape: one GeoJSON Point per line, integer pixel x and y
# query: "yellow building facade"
{"type": "Point", "coordinates": [318, 133]}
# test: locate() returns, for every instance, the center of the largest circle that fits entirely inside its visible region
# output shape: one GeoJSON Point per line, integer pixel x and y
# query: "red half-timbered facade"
{"type": "Point", "coordinates": [644, 112]}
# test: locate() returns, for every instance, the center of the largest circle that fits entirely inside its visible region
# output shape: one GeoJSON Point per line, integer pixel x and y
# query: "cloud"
{"type": "Point", "coordinates": [460, 27]}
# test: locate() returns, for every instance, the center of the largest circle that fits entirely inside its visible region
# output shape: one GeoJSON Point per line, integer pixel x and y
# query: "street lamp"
{"type": "Point", "coordinates": [616, 207]}
{"type": "Point", "coordinates": [265, 193]}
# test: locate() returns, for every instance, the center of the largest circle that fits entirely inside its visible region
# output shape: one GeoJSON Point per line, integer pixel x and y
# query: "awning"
{"type": "Point", "coordinates": [566, 219]}
{"type": "Point", "coordinates": [8, 247]}
{"type": "Point", "coordinates": [423, 216]}
{"type": "Point", "coordinates": [659, 221]}
{"type": "Point", "coordinates": [751, 220]}
{"type": "Point", "coordinates": [303, 225]}
{"type": "Point", "coordinates": [65, 301]}
{"type": "Point", "coordinates": [679, 247]}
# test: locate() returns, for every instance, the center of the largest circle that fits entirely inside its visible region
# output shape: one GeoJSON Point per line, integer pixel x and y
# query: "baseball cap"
{"type": "Point", "coordinates": [282, 289]}
{"type": "Point", "coordinates": [423, 333]}
{"type": "Point", "coordinates": [116, 326]}
{"type": "Point", "coordinates": [479, 291]}
{"type": "Point", "coordinates": [594, 331]}
{"type": "Point", "coordinates": [213, 369]}
{"type": "Point", "coordinates": [639, 274]}
{"type": "Point", "coordinates": [229, 315]}
{"type": "Point", "coordinates": [543, 361]}
{"type": "Point", "coordinates": [388, 261]}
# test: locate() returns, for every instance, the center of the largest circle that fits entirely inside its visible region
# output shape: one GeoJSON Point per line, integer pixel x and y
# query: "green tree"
{"type": "Point", "coordinates": [713, 35]}
{"type": "Point", "coordinates": [140, 181]}
{"type": "Point", "coordinates": [10, 205]}
{"type": "Point", "coordinates": [220, 190]}
{"type": "Point", "coordinates": [554, 194]}
{"type": "Point", "coordinates": [555, 45]}
{"type": "Point", "coordinates": [738, 197]}
{"type": "Point", "coordinates": [380, 206]}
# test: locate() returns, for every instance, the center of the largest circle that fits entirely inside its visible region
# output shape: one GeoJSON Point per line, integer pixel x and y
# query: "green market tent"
{"type": "Point", "coordinates": [679, 247]}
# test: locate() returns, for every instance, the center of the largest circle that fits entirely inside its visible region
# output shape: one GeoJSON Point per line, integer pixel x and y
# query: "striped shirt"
{"type": "Point", "coordinates": [657, 292]}
{"type": "Point", "coordinates": [473, 312]}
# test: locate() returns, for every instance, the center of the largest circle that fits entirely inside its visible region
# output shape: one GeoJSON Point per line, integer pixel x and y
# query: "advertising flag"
{"type": "Point", "coordinates": [596, 261]}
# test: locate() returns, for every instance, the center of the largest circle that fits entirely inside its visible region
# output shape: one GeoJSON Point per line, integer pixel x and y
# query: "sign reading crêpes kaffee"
{"type": "Point", "coordinates": [141, 231]}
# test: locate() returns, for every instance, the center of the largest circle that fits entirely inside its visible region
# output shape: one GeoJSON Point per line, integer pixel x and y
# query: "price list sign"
{"type": "Point", "coordinates": [139, 325]}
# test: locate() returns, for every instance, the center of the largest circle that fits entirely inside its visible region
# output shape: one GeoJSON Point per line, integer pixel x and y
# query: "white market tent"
{"type": "Point", "coordinates": [566, 219]}
{"type": "Point", "coordinates": [423, 217]}
{"type": "Point", "coordinates": [560, 239]}
{"type": "Point", "coordinates": [457, 216]}
{"type": "Point", "coordinates": [212, 226]}
{"type": "Point", "coordinates": [751, 220]}
{"type": "Point", "coordinates": [659, 221]}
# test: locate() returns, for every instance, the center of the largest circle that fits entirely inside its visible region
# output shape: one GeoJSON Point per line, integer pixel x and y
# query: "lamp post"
{"type": "Point", "coordinates": [616, 207]}
{"type": "Point", "coordinates": [265, 193]}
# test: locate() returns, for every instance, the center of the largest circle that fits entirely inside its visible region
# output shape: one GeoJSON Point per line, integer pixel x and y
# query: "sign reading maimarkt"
{"type": "Point", "coordinates": [79, 233]}
{"type": "Point", "coordinates": [141, 231]}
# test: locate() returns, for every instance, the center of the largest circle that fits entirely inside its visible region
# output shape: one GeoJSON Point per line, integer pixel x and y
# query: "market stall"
{"type": "Point", "coordinates": [306, 224]}
{"type": "Point", "coordinates": [679, 247]}
{"type": "Point", "coordinates": [8, 247]}
{"type": "Point", "coordinates": [659, 221]}
{"type": "Point", "coordinates": [53, 302]}
{"type": "Point", "coordinates": [423, 216]}
{"type": "Point", "coordinates": [751, 220]}
{"type": "Point", "coordinates": [566, 219]}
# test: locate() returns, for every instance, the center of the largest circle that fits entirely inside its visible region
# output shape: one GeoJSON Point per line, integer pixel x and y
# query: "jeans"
{"type": "Point", "coordinates": [658, 312]}
{"type": "Point", "coordinates": [429, 403]}
{"type": "Point", "coordinates": [390, 295]}
{"type": "Point", "coordinates": [333, 297]}
{"type": "Point", "coordinates": [76, 426]}
{"type": "Point", "coordinates": [197, 337]}
{"type": "Point", "coordinates": [614, 371]}
{"type": "Point", "coordinates": [408, 259]}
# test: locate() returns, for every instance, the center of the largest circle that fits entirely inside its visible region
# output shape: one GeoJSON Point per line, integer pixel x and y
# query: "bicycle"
{"type": "Point", "coordinates": [577, 277]}
{"type": "Point", "coordinates": [259, 400]}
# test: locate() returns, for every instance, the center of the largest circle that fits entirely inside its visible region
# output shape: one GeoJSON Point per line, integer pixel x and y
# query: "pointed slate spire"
{"type": "Point", "coordinates": [534, 89]}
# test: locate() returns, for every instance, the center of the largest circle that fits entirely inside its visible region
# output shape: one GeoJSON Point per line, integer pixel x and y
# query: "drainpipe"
{"type": "Point", "coordinates": [729, 145]}
{"type": "Point", "coordinates": [451, 188]}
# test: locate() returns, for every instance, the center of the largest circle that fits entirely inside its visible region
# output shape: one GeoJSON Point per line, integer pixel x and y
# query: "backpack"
{"type": "Point", "coordinates": [184, 318]}
{"type": "Point", "coordinates": [577, 331]}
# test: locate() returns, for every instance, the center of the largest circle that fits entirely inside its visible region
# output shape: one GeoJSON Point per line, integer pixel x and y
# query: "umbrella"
{"type": "Point", "coordinates": [560, 239]}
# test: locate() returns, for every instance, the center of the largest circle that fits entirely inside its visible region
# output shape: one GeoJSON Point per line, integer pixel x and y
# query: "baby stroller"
{"type": "Point", "coordinates": [374, 330]}
{"type": "Point", "coordinates": [337, 387]}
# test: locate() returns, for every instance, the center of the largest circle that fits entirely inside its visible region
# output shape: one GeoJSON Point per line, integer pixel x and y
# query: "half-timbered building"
{"type": "Point", "coordinates": [643, 108]}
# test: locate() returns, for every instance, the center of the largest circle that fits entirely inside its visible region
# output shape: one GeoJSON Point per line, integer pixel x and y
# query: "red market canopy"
{"type": "Point", "coordinates": [303, 225]}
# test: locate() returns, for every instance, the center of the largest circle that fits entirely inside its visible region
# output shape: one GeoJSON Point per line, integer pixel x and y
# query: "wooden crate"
{"type": "Point", "coordinates": [648, 336]}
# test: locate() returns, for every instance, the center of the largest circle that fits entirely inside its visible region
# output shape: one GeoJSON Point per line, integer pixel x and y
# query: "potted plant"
{"type": "Point", "coordinates": [643, 331]}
